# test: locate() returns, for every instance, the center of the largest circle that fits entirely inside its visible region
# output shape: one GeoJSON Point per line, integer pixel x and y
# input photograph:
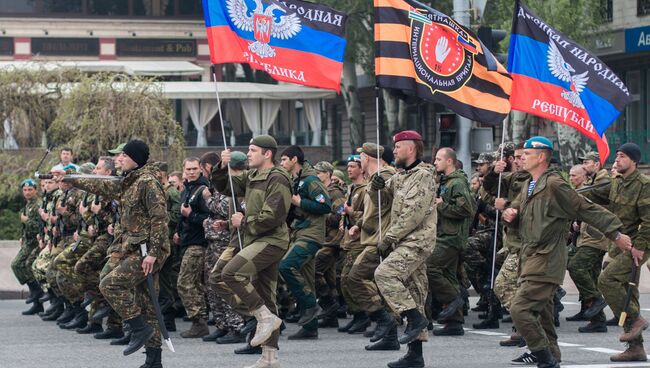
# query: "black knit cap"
{"type": "Point", "coordinates": [294, 151]}
{"type": "Point", "coordinates": [388, 155]}
{"type": "Point", "coordinates": [138, 151]}
{"type": "Point", "coordinates": [631, 150]}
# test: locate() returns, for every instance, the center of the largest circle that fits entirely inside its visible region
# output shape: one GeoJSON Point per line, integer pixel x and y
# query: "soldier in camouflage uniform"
{"type": "Point", "coordinates": [22, 263]}
{"type": "Point", "coordinates": [410, 239]}
{"type": "Point", "coordinates": [310, 206]}
{"type": "Point", "coordinates": [628, 196]}
{"type": "Point", "coordinates": [143, 221]}
{"type": "Point", "coordinates": [542, 214]}
{"type": "Point", "coordinates": [456, 208]}
{"type": "Point", "coordinates": [328, 255]}
{"type": "Point", "coordinates": [252, 274]}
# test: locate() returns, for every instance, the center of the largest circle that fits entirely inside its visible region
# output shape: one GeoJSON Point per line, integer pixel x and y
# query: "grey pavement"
{"type": "Point", "coordinates": [27, 342]}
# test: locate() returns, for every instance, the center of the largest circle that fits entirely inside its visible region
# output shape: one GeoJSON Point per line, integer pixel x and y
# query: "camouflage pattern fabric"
{"type": "Point", "coordinates": [191, 288]}
{"type": "Point", "coordinates": [362, 280]}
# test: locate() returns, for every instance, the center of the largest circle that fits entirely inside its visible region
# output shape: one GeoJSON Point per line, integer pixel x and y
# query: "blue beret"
{"type": "Point", "coordinates": [28, 182]}
{"type": "Point", "coordinates": [539, 142]}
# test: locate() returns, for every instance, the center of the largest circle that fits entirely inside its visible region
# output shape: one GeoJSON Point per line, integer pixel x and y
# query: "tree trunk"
{"type": "Point", "coordinates": [352, 104]}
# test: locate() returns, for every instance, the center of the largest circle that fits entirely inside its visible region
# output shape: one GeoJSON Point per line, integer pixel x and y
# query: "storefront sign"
{"type": "Point", "coordinates": [156, 47]}
{"type": "Point", "coordinates": [65, 46]}
{"type": "Point", "coordinates": [637, 39]}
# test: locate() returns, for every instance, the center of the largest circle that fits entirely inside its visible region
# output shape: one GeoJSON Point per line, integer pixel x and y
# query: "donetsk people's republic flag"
{"type": "Point", "coordinates": [557, 79]}
{"type": "Point", "coordinates": [427, 54]}
{"type": "Point", "coordinates": [292, 40]}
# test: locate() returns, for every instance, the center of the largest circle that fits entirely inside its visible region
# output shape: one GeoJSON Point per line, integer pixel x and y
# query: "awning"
{"type": "Point", "coordinates": [242, 90]}
{"type": "Point", "coordinates": [143, 68]}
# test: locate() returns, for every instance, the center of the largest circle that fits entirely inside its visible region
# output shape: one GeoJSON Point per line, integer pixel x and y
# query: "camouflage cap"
{"type": "Point", "coordinates": [484, 158]}
{"type": "Point", "coordinates": [370, 149]}
{"type": "Point", "coordinates": [264, 141]}
{"type": "Point", "coordinates": [324, 166]}
{"type": "Point", "coordinates": [238, 160]}
{"type": "Point", "coordinates": [87, 168]}
{"type": "Point", "coordinates": [118, 149]}
{"type": "Point", "coordinates": [339, 174]}
{"type": "Point", "coordinates": [508, 149]}
{"type": "Point", "coordinates": [593, 156]}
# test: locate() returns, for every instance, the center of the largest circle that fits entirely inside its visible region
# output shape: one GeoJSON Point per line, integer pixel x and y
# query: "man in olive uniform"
{"type": "Point", "coordinates": [410, 239]}
{"type": "Point", "coordinates": [328, 255]}
{"type": "Point", "coordinates": [456, 208]}
{"type": "Point", "coordinates": [310, 206]}
{"type": "Point", "coordinates": [252, 274]}
{"type": "Point", "coordinates": [542, 214]}
{"type": "Point", "coordinates": [628, 196]}
{"type": "Point", "coordinates": [143, 221]}
{"type": "Point", "coordinates": [22, 263]}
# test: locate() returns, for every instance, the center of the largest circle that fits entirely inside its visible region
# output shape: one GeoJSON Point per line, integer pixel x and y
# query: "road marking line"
{"type": "Point", "coordinates": [487, 333]}
{"type": "Point", "coordinates": [603, 350]}
{"type": "Point", "coordinates": [569, 345]}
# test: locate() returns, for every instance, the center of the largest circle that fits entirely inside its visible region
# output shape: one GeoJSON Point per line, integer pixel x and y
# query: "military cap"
{"type": "Point", "coordinates": [339, 174]}
{"type": "Point", "coordinates": [631, 150]}
{"type": "Point", "coordinates": [370, 149]}
{"type": "Point", "coordinates": [118, 149]}
{"type": "Point", "coordinates": [238, 160]}
{"type": "Point", "coordinates": [593, 156]}
{"type": "Point", "coordinates": [324, 166]}
{"type": "Point", "coordinates": [539, 142]}
{"type": "Point", "coordinates": [407, 135]}
{"type": "Point", "coordinates": [87, 168]}
{"type": "Point", "coordinates": [354, 158]}
{"type": "Point", "coordinates": [484, 158]}
{"type": "Point", "coordinates": [508, 149]}
{"type": "Point", "coordinates": [28, 183]}
{"type": "Point", "coordinates": [70, 169]}
{"type": "Point", "coordinates": [264, 141]}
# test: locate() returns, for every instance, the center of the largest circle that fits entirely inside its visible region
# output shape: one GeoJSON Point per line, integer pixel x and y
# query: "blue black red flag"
{"type": "Point", "coordinates": [292, 40]}
{"type": "Point", "coordinates": [557, 79]}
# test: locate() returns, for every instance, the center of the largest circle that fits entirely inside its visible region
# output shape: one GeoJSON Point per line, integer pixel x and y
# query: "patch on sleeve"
{"type": "Point", "coordinates": [320, 198]}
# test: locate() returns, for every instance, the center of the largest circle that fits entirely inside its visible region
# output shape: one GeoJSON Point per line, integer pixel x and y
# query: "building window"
{"type": "Point", "coordinates": [607, 9]}
{"type": "Point", "coordinates": [642, 7]}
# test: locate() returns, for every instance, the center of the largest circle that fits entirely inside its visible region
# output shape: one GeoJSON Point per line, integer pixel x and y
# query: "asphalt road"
{"type": "Point", "coordinates": [27, 342]}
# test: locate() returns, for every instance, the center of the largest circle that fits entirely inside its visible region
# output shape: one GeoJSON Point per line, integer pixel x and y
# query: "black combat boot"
{"type": "Point", "coordinates": [54, 311]}
{"type": "Point", "coordinates": [214, 336]}
{"type": "Point", "coordinates": [153, 358]}
{"type": "Point", "coordinates": [248, 349]}
{"type": "Point", "coordinates": [36, 308]}
{"type": "Point", "coordinates": [124, 340]}
{"type": "Point", "coordinates": [451, 308]}
{"type": "Point", "coordinates": [385, 324]}
{"type": "Point", "coordinates": [578, 316]}
{"type": "Point", "coordinates": [46, 297]}
{"type": "Point", "coordinates": [231, 337]}
{"type": "Point", "coordinates": [412, 359]}
{"type": "Point", "coordinates": [388, 342]}
{"type": "Point", "coordinates": [110, 333]}
{"type": "Point", "coordinates": [141, 332]}
{"type": "Point", "coordinates": [493, 315]}
{"type": "Point", "coordinates": [329, 306]}
{"type": "Point", "coordinates": [88, 299]}
{"type": "Point", "coordinates": [449, 329]}
{"type": "Point", "coordinates": [67, 316]}
{"type": "Point", "coordinates": [545, 359]}
{"type": "Point", "coordinates": [356, 317]}
{"type": "Point", "coordinates": [91, 328]}
{"type": "Point", "coordinates": [303, 334]}
{"type": "Point", "coordinates": [102, 312]}
{"type": "Point", "coordinates": [35, 292]}
{"type": "Point", "coordinates": [416, 322]}
{"type": "Point", "coordinates": [249, 326]}
{"type": "Point", "coordinates": [80, 319]}
{"type": "Point", "coordinates": [329, 322]}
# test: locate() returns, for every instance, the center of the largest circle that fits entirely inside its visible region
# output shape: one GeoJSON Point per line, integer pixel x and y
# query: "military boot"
{"type": "Point", "coordinates": [634, 353]}
{"type": "Point", "coordinates": [198, 329]}
{"type": "Point", "coordinates": [46, 297]}
{"type": "Point", "coordinates": [35, 292]}
{"type": "Point", "coordinates": [514, 340]}
{"type": "Point", "coordinates": [580, 315]}
{"type": "Point", "coordinates": [388, 342]}
{"type": "Point", "coordinates": [449, 329]}
{"type": "Point", "coordinates": [385, 324]}
{"type": "Point", "coordinates": [612, 321]}
{"type": "Point", "coordinates": [545, 359]}
{"type": "Point", "coordinates": [103, 312]}
{"type": "Point", "coordinates": [416, 322]}
{"type": "Point", "coordinates": [141, 332]}
{"type": "Point", "coordinates": [55, 311]}
{"type": "Point", "coordinates": [248, 349]}
{"type": "Point", "coordinates": [360, 325]}
{"type": "Point", "coordinates": [109, 333]}
{"type": "Point", "coordinates": [355, 318]}
{"type": "Point", "coordinates": [493, 315]}
{"type": "Point", "coordinates": [329, 307]}
{"type": "Point", "coordinates": [153, 358]}
{"type": "Point", "coordinates": [303, 334]}
{"type": "Point", "coordinates": [412, 359]}
{"type": "Point", "coordinates": [634, 326]}
{"type": "Point", "coordinates": [37, 307]}
{"type": "Point", "coordinates": [124, 340]}
{"type": "Point", "coordinates": [88, 299]}
{"type": "Point", "coordinates": [67, 316]}
{"type": "Point", "coordinates": [231, 337]}
{"type": "Point", "coordinates": [80, 319]}
{"type": "Point", "coordinates": [267, 323]}
{"type": "Point", "coordinates": [451, 308]}
{"type": "Point", "coordinates": [593, 327]}
{"type": "Point", "coordinates": [309, 314]}
{"type": "Point", "coordinates": [215, 335]}
{"type": "Point", "coordinates": [249, 326]}
{"type": "Point", "coordinates": [91, 328]}
{"type": "Point", "coordinates": [269, 359]}
{"type": "Point", "coordinates": [329, 322]}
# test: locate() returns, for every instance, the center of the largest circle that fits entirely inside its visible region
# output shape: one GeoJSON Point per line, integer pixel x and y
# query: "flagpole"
{"type": "Point", "coordinates": [378, 117]}
{"type": "Point", "coordinates": [496, 217]}
{"type": "Point", "coordinates": [225, 148]}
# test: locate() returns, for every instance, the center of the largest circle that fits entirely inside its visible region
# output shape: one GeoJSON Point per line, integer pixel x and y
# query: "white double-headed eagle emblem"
{"type": "Point", "coordinates": [264, 24]}
{"type": "Point", "coordinates": [564, 72]}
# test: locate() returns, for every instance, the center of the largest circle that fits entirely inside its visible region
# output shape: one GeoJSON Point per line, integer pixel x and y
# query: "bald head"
{"type": "Point", "coordinates": [578, 176]}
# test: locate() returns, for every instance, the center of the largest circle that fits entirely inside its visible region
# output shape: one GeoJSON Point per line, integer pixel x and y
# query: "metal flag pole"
{"type": "Point", "coordinates": [156, 304]}
{"type": "Point", "coordinates": [496, 219]}
{"type": "Point", "coordinates": [225, 147]}
{"type": "Point", "coordinates": [378, 162]}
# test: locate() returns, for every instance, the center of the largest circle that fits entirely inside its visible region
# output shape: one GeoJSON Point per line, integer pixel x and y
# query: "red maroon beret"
{"type": "Point", "coordinates": [407, 135]}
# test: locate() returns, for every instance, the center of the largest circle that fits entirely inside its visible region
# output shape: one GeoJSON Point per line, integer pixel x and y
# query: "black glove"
{"type": "Point", "coordinates": [378, 183]}
{"type": "Point", "coordinates": [385, 246]}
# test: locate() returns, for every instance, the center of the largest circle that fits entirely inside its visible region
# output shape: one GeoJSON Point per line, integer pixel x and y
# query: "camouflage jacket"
{"type": "Point", "coordinates": [589, 235]}
{"type": "Point", "coordinates": [542, 221]}
{"type": "Point", "coordinates": [218, 205]}
{"type": "Point", "coordinates": [31, 226]}
{"type": "Point", "coordinates": [101, 220]}
{"type": "Point", "coordinates": [173, 200]}
{"type": "Point", "coordinates": [267, 194]}
{"type": "Point", "coordinates": [629, 199]}
{"type": "Point", "coordinates": [143, 210]}
{"type": "Point", "coordinates": [413, 212]}
{"type": "Point", "coordinates": [456, 210]}
{"type": "Point", "coordinates": [333, 220]}
{"type": "Point", "coordinates": [355, 199]}
{"type": "Point", "coordinates": [309, 218]}
{"type": "Point", "coordinates": [50, 208]}
{"type": "Point", "coordinates": [511, 185]}
{"type": "Point", "coordinates": [68, 222]}
{"type": "Point", "coordinates": [370, 219]}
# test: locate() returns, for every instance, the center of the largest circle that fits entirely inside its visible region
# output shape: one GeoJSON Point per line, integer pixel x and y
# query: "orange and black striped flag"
{"type": "Point", "coordinates": [427, 54]}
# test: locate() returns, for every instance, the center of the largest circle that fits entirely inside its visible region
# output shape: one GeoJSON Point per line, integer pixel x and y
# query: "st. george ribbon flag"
{"type": "Point", "coordinates": [557, 79]}
{"type": "Point", "coordinates": [425, 53]}
{"type": "Point", "coordinates": [292, 40]}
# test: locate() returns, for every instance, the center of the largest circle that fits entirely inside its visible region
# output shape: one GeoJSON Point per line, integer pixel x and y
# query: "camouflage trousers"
{"type": "Point", "coordinates": [216, 283]}
{"type": "Point", "coordinates": [505, 284]}
{"type": "Point", "coordinates": [348, 261]}
{"type": "Point", "coordinates": [326, 259]}
{"type": "Point", "coordinates": [584, 268]}
{"type": "Point", "coordinates": [478, 259]}
{"type": "Point", "coordinates": [88, 268]}
{"type": "Point", "coordinates": [362, 280]}
{"type": "Point", "coordinates": [402, 278]}
{"type": "Point", "coordinates": [298, 269]}
{"type": "Point", "coordinates": [41, 265]}
{"type": "Point", "coordinates": [225, 318]}
{"type": "Point", "coordinates": [169, 280]}
{"type": "Point", "coordinates": [191, 287]}
{"type": "Point", "coordinates": [252, 275]}
{"type": "Point", "coordinates": [68, 282]}
{"type": "Point", "coordinates": [114, 321]}
{"type": "Point", "coordinates": [125, 289]}
{"type": "Point", "coordinates": [613, 283]}
{"type": "Point", "coordinates": [532, 315]}
{"type": "Point", "coordinates": [442, 273]}
{"type": "Point", "coordinates": [52, 270]}
{"type": "Point", "coordinates": [22, 263]}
